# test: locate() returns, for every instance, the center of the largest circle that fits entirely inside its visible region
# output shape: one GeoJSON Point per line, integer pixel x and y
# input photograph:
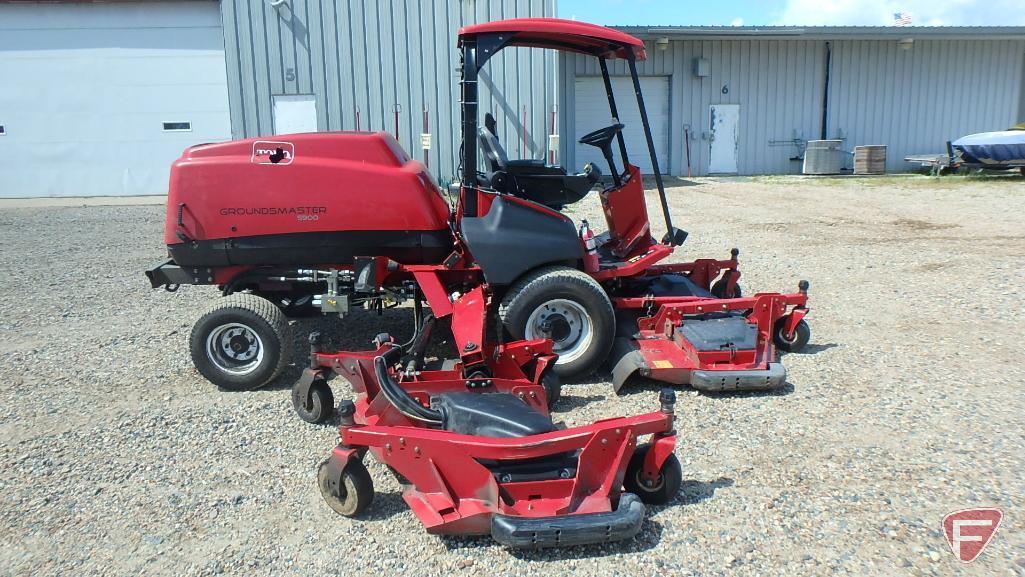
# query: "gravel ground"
{"type": "Point", "coordinates": [118, 458]}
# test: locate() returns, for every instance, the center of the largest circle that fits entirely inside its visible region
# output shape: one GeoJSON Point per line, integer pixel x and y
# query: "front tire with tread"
{"type": "Point", "coordinates": [263, 319]}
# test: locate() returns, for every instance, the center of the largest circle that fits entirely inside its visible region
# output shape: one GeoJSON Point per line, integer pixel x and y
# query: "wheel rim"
{"type": "Point", "coordinates": [783, 335]}
{"type": "Point", "coordinates": [234, 348]}
{"type": "Point", "coordinates": [657, 485]}
{"type": "Point", "coordinates": [333, 487]}
{"type": "Point", "coordinates": [568, 325]}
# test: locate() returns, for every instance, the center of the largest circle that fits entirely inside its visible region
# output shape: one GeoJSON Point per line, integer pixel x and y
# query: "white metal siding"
{"type": "Point", "coordinates": [777, 83]}
{"type": "Point", "coordinates": [87, 87]}
{"type": "Point", "coordinates": [371, 55]}
{"type": "Point", "coordinates": [914, 100]}
{"type": "Point", "coordinates": [592, 106]}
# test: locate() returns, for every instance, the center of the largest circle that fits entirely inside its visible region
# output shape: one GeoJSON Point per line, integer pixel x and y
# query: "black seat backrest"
{"type": "Point", "coordinates": [490, 146]}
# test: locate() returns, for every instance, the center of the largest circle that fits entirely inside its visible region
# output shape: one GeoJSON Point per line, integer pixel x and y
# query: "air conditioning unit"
{"type": "Point", "coordinates": [824, 157]}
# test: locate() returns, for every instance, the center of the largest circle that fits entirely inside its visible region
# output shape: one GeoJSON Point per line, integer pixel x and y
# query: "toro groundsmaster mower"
{"type": "Point", "coordinates": [324, 222]}
{"type": "Point", "coordinates": [482, 456]}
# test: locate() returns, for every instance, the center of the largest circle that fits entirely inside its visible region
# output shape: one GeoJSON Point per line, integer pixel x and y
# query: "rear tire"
{"type": "Point", "coordinates": [572, 306]}
{"type": "Point", "coordinates": [241, 342]}
{"type": "Point", "coordinates": [665, 487]}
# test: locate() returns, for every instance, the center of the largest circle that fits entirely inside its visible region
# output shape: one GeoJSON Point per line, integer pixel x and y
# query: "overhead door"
{"type": "Point", "coordinates": [98, 99]}
{"type": "Point", "coordinates": [592, 113]}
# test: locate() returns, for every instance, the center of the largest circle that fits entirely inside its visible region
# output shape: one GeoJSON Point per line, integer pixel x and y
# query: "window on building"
{"type": "Point", "coordinates": [177, 126]}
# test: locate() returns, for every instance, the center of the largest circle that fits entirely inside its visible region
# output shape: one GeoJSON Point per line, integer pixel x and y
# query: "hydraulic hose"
{"type": "Point", "coordinates": [399, 398]}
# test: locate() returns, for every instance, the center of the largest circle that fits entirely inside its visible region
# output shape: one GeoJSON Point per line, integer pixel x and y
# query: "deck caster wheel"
{"type": "Point", "coordinates": [796, 342]}
{"type": "Point", "coordinates": [567, 306]}
{"type": "Point", "coordinates": [241, 342]}
{"type": "Point", "coordinates": [347, 487]}
{"type": "Point", "coordinates": [719, 290]}
{"type": "Point", "coordinates": [319, 404]}
{"type": "Point", "coordinates": [661, 490]}
{"type": "Point", "coordinates": [552, 385]}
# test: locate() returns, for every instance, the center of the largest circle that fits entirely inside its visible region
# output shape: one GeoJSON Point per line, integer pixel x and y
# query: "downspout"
{"type": "Point", "coordinates": [825, 91]}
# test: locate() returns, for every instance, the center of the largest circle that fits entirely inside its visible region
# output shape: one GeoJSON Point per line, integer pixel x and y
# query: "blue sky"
{"type": "Point", "coordinates": [794, 12]}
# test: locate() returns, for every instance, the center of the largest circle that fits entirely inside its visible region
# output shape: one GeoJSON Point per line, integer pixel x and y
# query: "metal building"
{"type": "Point", "coordinates": [771, 89]}
{"type": "Point", "coordinates": [97, 99]}
{"type": "Point", "coordinates": [302, 65]}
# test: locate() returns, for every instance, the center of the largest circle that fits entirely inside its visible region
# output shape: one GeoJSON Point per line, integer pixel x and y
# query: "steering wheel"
{"type": "Point", "coordinates": [601, 137]}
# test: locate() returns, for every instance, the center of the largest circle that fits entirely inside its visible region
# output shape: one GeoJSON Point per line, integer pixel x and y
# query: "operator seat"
{"type": "Point", "coordinates": [530, 178]}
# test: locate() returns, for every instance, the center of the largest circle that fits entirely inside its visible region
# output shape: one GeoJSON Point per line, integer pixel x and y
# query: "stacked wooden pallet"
{"type": "Point", "coordinates": [870, 159]}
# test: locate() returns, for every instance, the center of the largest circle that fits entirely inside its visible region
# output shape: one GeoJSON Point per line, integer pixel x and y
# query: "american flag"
{"type": "Point", "coordinates": [901, 18]}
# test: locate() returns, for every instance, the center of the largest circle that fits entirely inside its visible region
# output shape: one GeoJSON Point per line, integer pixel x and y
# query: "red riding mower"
{"type": "Point", "coordinates": [324, 222]}
{"type": "Point", "coordinates": [482, 456]}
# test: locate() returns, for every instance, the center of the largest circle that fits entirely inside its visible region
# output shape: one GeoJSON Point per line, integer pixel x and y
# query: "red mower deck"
{"type": "Point", "coordinates": [473, 461]}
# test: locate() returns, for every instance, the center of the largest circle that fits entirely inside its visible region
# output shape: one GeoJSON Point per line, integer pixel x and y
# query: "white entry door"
{"type": "Point", "coordinates": [725, 138]}
{"type": "Point", "coordinates": [295, 113]}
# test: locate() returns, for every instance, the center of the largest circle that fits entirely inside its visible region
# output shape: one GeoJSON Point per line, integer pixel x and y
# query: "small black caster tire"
{"type": "Point", "coordinates": [241, 342]}
{"type": "Point", "coordinates": [719, 290]}
{"type": "Point", "coordinates": [670, 477]}
{"type": "Point", "coordinates": [552, 385]}
{"type": "Point", "coordinates": [350, 491]}
{"type": "Point", "coordinates": [318, 407]}
{"type": "Point", "coordinates": [664, 489]}
{"type": "Point", "coordinates": [796, 342]}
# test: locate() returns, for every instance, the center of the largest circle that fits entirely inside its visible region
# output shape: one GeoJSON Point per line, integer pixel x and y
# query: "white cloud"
{"type": "Point", "coordinates": [737, 22]}
{"type": "Point", "coordinates": [923, 12]}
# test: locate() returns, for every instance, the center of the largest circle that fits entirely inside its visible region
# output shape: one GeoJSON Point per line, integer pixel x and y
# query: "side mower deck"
{"type": "Point", "coordinates": [474, 462]}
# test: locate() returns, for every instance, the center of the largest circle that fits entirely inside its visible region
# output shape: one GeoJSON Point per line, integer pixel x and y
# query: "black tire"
{"type": "Point", "coordinates": [349, 492]}
{"type": "Point", "coordinates": [670, 478]}
{"type": "Point", "coordinates": [719, 290]}
{"type": "Point", "coordinates": [549, 290]}
{"type": "Point", "coordinates": [222, 341]}
{"type": "Point", "coordinates": [800, 338]}
{"type": "Point", "coordinates": [318, 407]}
{"type": "Point", "coordinates": [552, 385]}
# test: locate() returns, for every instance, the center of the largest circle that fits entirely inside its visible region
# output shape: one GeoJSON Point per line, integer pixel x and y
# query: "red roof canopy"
{"type": "Point", "coordinates": [559, 34]}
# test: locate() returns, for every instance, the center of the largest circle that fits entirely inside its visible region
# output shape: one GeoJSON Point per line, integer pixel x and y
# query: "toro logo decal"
{"type": "Point", "coordinates": [968, 531]}
{"type": "Point", "coordinates": [270, 152]}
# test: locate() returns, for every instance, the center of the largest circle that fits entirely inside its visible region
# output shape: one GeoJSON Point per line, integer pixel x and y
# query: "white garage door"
{"type": "Point", "coordinates": [98, 99]}
{"type": "Point", "coordinates": [592, 112]}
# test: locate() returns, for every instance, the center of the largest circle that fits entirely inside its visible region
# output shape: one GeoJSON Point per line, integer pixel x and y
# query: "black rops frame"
{"type": "Point", "coordinates": [476, 52]}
